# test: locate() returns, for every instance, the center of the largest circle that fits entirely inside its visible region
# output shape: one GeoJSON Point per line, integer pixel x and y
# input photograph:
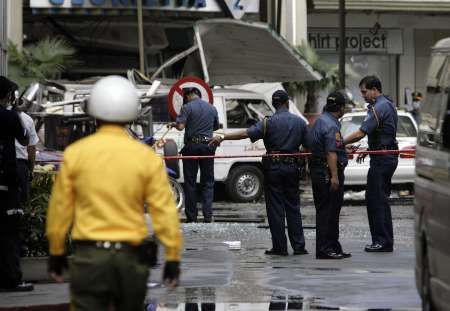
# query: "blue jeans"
{"type": "Point", "coordinates": [282, 195]}
{"type": "Point", "coordinates": [190, 170]}
{"type": "Point", "coordinates": [377, 198]}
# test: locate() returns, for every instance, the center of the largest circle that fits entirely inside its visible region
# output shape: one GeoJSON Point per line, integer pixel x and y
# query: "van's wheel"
{"type": "Point", "coordinates": [178, 193]}
{"type": "Point", "coordinates": [427, 303]}
{"type": "Point", "coordinates": [171, 149]}
{"type": "Point", "coordinates": [245, 183]}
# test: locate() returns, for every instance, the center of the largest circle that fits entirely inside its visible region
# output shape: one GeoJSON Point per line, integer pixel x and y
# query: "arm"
{"type": "Point", "coordinates": [217, 140]}
{"type": "Point", "coordinates": [60, 216]}
{"type": "Point", "coordinates": [31, 157]}
{"type": "Point", "coordinates": [20, 131]}
{"type": "Point", "coordinates": [332, 165]}
{"type": "Point", "coordinates": [162, 209]}
{"type": "Point", "coordinates": [180, 123]}
{"type": "Point", "coordinates": [354, 137]}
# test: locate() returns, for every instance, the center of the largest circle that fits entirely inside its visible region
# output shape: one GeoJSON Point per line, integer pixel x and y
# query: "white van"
{"type": "Point", "coordinates": [238, 109]}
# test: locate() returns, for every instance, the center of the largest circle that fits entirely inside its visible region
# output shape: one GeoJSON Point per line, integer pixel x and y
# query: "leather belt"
{"type": "Point", "coordinates": [198, 140]}
{"type": "Point", "coordinates": [112, 245]}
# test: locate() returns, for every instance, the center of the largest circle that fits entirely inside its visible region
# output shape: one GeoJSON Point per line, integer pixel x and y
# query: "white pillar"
{"type": "Point", "coordinates": [293, 29]}
{"type": "Point", "coordinates": [15, 22]}
{"type": "Point", "coordinates": [3, 37]}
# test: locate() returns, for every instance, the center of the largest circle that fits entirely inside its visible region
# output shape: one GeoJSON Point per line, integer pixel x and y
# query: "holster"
{"type": "Point", "coordinates": [148, 252]}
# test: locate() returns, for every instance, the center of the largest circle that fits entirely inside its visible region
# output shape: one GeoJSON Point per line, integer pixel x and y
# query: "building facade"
{"type": "Point", "coordinates": [391, 39]}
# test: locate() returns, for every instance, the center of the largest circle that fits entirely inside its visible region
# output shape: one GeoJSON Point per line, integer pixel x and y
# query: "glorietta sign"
{"type": "Point", "coordinates": [236, 6]}
{"type": "Point", "coordinates": [386, 41]}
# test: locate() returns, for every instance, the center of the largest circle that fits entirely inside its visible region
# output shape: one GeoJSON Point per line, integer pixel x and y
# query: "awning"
{"type": "Point", "coordinates": [406, 6]}
{"type": "Point", "coordinates": [230, 52]}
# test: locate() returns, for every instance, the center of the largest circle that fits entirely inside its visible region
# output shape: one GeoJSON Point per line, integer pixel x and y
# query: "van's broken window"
{"type": "Point", "coordinates": [242, 113]}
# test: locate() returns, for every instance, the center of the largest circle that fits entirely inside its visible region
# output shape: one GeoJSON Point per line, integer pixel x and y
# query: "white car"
{"type": "Point", "coordinates": [356, 174]}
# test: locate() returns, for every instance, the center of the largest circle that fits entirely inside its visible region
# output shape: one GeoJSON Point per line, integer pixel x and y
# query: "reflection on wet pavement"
{"type": "Point", "coordinates": [277, 302]}
{"type": "Point", "coordinates": [217, 277]}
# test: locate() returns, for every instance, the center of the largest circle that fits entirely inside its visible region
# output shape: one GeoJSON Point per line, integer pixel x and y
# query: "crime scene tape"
{"type": "Point", "coordinates": [409, 152]}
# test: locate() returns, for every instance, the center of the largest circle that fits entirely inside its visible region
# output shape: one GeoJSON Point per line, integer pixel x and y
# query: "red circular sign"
{"type": "Point", "coordinates": [175, 97]}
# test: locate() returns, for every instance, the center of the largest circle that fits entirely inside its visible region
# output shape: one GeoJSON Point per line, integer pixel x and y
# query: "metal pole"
{"type": "Point", "coordinates": [3, 37]}
{"type": "Point", "coordinates": [342, 44]}
{"type": "Point", "coordinates": [141, 37]}
{"type": "Point", "coordinates": [279, 7]}
{"type": "Point", "coordinates": [273, 12]}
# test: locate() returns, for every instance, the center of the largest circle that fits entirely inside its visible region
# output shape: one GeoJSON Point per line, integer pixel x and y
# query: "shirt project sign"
{"type": "Point", "coordinates": [384, 41]}
{"type": "Point", "coordinates": [235, 6]}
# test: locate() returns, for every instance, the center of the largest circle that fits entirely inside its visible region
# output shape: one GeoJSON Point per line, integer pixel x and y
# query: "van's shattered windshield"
{"type": "Point", "coordinates": [242, 113]}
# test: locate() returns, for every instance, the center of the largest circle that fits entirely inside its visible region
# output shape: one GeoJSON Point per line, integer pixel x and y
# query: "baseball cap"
{"type": "Point", "coordinates": [280, 96]}
{"type": "Point", "coordinates": [335, 98]}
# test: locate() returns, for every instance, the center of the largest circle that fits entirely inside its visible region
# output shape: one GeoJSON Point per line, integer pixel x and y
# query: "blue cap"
{"type": "Point", "coordinates": [279, 97]}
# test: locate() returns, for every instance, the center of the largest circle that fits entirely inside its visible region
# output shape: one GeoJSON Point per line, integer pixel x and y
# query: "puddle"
{"type": "Point", "coordinates": [205, 302]}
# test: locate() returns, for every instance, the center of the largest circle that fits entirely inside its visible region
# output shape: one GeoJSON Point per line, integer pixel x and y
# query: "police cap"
{"type": "Point", "coordinates": [6, 86]}
{"type": "Point", "coordinates": [279, 97]}
{"type": "Point", "coordinates": [334, 101]}
{"type": "Point", "coordinates": [191, 90]}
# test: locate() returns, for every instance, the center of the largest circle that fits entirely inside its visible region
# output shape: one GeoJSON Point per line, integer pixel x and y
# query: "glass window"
{"type": "Point", "coordinates": [160, 111]}
{"type": "Point", "coordinates": [431, 107]}
{"type": "Point", "coordinates": [405, 127]}
{"type": "Point", "coordinates": [242, 113]}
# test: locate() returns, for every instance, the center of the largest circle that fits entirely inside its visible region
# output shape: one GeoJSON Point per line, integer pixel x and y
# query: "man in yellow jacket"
{"type": "Point", "coordinates": [100, 192]}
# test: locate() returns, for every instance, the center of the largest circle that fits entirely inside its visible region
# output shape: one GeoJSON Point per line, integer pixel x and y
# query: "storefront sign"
{"type": "Point", "coordinates": [386, 41]}
{"type": "Point", "coordinates": [236, 7]}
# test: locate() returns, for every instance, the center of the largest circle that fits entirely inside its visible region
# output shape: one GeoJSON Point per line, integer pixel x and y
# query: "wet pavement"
{"type": "Point", "coordinates": [217, 276]}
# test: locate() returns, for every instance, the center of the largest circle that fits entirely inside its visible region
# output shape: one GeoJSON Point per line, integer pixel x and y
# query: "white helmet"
{"type": "Point", "coordinates": [114, 99]}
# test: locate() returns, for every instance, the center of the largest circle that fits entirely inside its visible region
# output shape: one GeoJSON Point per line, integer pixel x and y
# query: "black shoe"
{"type": "Point", "coordinates": [301, 251]}
{"type": "Point", "coordinates": [378, 248]}
{"type": "Point", "coordinates": [346, 255]}
{"type": "Point", "coordinates": [22, 287]}
{"type": "Point", "coordinates": [331, 255]}
{"type": "Point", "coordinates": [207, 220]}
{"type": "Point", "coordinates": [274, 252]}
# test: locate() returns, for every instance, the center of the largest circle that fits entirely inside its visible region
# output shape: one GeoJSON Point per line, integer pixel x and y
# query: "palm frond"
{"type": "Point", "coordinates": [43, 60]}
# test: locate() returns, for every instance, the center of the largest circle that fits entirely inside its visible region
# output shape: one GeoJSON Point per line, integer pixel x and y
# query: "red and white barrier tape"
{"type": "Point", "coordinates": [409, 152]}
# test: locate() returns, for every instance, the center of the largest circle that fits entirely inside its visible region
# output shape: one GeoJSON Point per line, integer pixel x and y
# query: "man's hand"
{"type": "Point", "coordinates": [334, 183]}
{"type": "Point", "coordinates": [361, 157]}
{"type": "Point", "coordinates": [215, 141]}
{"type": "Point", "coordinates": [171, 273]}
{"type": "Point", "coordinates": [56, 267]}
{"type": "Point", "coordinates": [351, 148]}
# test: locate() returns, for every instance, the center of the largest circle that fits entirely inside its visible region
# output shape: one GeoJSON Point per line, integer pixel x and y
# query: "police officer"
{"type": "Point", "coordinates": [380, 125]}
{"type": "Point", "coordinates": [282, 133]}
{"type": "Point", "coordinates": [100, 192]}
{"type": "Point", "coordinates": [10, 212]}
{"type": "Point", "coordinates": [327, 165]}
{"type": "Point", "coordinates": [199, 119]}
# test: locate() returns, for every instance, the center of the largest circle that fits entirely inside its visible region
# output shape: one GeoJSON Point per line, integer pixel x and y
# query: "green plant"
{"type": "Point", "coordinates": [329, 72]}
{"type": "Point", "coordinates": [34, 242]}
{"type": "Point", "coordinates": [46, 59]}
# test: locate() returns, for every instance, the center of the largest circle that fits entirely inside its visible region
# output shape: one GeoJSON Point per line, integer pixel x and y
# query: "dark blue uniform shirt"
{"type": "Point", "coordinates": [380, 124]}
{"type": "Point", "coordinates": [200, 119]}
{"type": "Point", "coordinates": [284, 132]}
{"type": "Point", "coordinates": [10, 129]}
{"type": "Point", "coordinates": [325, 136]}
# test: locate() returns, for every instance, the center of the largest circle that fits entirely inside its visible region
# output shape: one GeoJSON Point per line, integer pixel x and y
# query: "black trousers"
{"type": "Point", "coordinates": [379, 178]}
{"type": "Point", "coordinates": [190, 170]}
{"type": "Point", "coordinates": [328, 207]}
{"type": "Point", "coordinates": [282, 195]}
{"type": "Point", "coordinates": [23, 172]}
{"type": "Point", "coordinates": [10, 272]}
